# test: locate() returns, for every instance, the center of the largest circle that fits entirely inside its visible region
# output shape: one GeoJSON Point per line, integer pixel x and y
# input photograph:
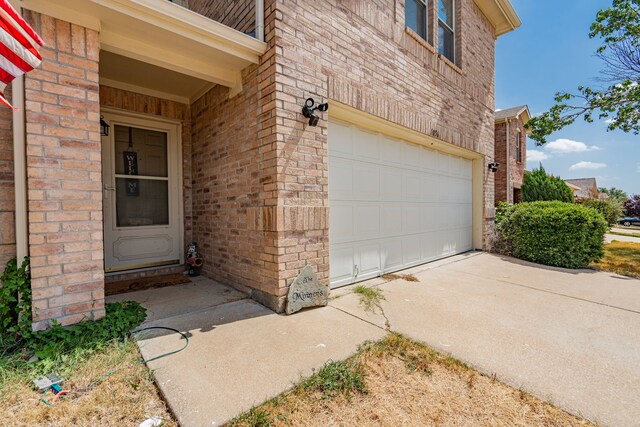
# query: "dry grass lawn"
{"type": "Point", "coordinates": [621, 258]}
{"type": "Point", "coordinates": [125, 398]}
{"type": "Point", "coordinates": [399, 382]}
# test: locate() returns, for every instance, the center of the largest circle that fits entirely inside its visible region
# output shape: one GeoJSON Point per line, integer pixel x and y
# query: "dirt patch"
{"type": "Point", "coordinates": [407, 383]}
{"type": "Point", "coordinates": [124, 398]}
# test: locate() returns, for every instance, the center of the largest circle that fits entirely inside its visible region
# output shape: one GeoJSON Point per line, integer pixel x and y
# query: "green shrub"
{"type": "Point", "coordinates": [553, 233]}
{"type": "Point", "coordinates": [51, 346]}
{"type": "Point", "coordinates": [610, 209]}
{"type": "Point", "coordinates": [538, 186]}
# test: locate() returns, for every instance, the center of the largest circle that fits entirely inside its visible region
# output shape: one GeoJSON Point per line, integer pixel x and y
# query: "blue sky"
{"type": "Point", "coordinates": [552, 52]}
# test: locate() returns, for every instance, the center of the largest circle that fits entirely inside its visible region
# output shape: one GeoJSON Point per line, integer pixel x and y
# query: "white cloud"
{"type": "Point", "coordinates": [536, 156]}
{"type": "Point", "coordinates": [587, 165]}
{"type": "Point", "coordinates": [563, 146]}
{"type": "Point", "coordinates": [609, 121]}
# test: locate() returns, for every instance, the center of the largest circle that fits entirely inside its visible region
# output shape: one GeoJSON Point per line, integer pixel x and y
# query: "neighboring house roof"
{"type": "Point", "coordinates": [586, 186]}
{"type": "Point", "coordinates": [514, 112]}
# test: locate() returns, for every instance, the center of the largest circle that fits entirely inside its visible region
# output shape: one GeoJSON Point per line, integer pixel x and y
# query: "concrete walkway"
{"type": "Point", "coordinates": [608, 238]}
{"type": "Point", "coordinates": [569, 337]}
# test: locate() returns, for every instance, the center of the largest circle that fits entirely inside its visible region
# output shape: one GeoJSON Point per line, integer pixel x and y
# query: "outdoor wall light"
{"type": "Point", "coordinates": [104, 127]}
{"type": "Point", "coordinates": [493, 167]}
{"type": "Point", "coordinates": [308, 111]}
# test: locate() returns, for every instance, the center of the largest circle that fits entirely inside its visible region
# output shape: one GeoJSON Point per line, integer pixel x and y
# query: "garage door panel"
{"type": "Point", "coordinates": [342, 261]}
{"type": "Point", "coordinates": [389, 151]}
{"type": "Point", "coordinates": [367, 182]}
{"type": "Point", "coordinates": [366, 145]}
{"type": "Point", "coordinates": [369, 255]}
{"type": "Point", "coordinates": [341, 223]}
{"type": "Point", "coordinates": [390, 221]}
{"type": "Point", "coordinates": [393, 204]}
{"type": "Point", "coordinates": [341, 179]}
{"type": "Point", "coordinates": [391, 254]}
{"type": "Point", "coordinates": [390, 181]}
{"type": "Point", "coordinates": [411, 253]}
{"type": "Point", "coordinates": [341, 134]}
{"type": "Point", "coordinates": [366, 222]}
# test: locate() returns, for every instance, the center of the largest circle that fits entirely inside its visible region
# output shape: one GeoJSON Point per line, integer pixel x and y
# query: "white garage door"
{"type": "Point", "coordinates": [393, 204]}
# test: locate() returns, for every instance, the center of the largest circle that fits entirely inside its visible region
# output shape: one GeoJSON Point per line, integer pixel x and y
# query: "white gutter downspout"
{"type": "Point", "coordinates": [260, 20]}
{"type": "Point", "coordinates": [20, 168]}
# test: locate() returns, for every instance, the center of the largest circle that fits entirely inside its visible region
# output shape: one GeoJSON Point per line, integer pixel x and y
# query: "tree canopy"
{"type": "Point", "coordinates": [614, 193]}
{"type": "Point", "coordinates": [619, 98]}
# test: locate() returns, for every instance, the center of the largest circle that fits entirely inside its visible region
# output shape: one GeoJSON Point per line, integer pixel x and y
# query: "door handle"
{"type": "Point", "coordinates": [109, 187]}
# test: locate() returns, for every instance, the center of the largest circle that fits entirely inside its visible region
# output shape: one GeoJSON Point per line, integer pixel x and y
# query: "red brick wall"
{"type": "Point", "coordinates": [237, 14]}
{"type": "Point", "coordinates": [64, 175]}
{"type": "Point", "coordinates": [7, 194]}
{"type": "Point", "coordinates": [366, 59]}
{"type": "Point", "coordinates": [509, 166]}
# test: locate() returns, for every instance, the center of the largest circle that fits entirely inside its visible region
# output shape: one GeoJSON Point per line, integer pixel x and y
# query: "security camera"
{"type": "Point", "coordinates": [493, 167]}
{"type": "Point", "coordinates": [309, 111]}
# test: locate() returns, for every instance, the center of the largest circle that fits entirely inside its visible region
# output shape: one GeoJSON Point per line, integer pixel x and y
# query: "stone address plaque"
{"type": "Point", "coordinates": [306, 291]}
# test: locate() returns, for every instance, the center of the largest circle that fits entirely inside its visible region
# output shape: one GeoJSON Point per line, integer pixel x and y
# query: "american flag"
{"type": "Point", "coordinates": [18, 53]}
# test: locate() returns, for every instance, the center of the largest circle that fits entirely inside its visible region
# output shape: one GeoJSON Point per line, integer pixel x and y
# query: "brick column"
{"type": "Point", "coordinates": [64, 175]}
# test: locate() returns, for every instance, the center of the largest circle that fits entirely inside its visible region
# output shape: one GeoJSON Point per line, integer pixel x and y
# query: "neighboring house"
{"type": "Point", "coordinates": [511, 153]}
{"type": "Point", "coordinates": [206, 142]}
{"type": "Point", "coordinates": [587, 188]}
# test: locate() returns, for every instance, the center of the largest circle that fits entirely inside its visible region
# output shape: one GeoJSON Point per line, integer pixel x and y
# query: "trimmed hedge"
{"type": "Point", "coordinates": [552, 233]}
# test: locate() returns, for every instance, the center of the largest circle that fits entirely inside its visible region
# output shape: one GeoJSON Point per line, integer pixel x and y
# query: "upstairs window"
{"type": "Point", "coordinates": [415, 16]}
{"type": "Point", "coordinates": [446, 30]}
{"type": "Point", "coordinates": [518, 147]}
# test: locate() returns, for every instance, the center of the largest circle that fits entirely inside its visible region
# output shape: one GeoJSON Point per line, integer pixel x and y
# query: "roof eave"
{"type": "Point", "coordinates": [501, 14]}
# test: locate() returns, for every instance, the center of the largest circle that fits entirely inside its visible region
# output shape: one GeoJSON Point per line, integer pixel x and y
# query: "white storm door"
{"type": "Point", "coordinates": [141, 193]}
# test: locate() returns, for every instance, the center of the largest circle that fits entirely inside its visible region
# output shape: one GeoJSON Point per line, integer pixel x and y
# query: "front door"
{"type": "Point", "coordinates": [141, 197]}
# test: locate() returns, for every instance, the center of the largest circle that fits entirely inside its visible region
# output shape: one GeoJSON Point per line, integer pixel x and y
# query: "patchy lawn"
{"type": "Point", "coordinates": [125, 398]}
{"type": "Point", "coordinates": [400, 382]}
{"type": "Point", "coordinates": [621, 258]}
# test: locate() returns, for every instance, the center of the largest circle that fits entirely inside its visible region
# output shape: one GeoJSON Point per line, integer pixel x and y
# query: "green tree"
{"type": "Point", "coordinates": [619, 99]}
{"type": "Point", "coordinates": [614, 193]}
{"type": "Point", "coordinates": [538, 186]}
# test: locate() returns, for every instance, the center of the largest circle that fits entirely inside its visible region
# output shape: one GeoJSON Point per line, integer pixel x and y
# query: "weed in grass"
{"type": "Point", "coordinates": [254, 418]}
{"type": "Point", "coordinates": [338, 378]}
{"type": "Point", "coordinates": [370, 298]}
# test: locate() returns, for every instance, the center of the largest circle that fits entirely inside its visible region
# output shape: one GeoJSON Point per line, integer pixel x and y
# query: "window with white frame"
{"type": "Point", "coordinates": [415, 16]}
{"type": "Point", "coordinates": [446, 29]}
{"type": "Point", "coordinates": [519, 147]}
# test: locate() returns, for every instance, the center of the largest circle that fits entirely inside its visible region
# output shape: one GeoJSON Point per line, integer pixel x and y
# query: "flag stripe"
{"type": "Point", "coordinates": [19, 45]}
{"type": "Point", "coordinates": [5, 77]}
{"type": "Point", "coordinates": [20, 23]}
{"type": "Point", "coordinates": [14, 58]}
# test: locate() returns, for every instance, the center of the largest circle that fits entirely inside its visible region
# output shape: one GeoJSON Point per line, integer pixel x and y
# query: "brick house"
{"type": "Point", "coordinates": [206, 142]}
{"type": "Point", "coordinates": [584, 188]}
{"type": "Point", "coordinates": [510, 153]}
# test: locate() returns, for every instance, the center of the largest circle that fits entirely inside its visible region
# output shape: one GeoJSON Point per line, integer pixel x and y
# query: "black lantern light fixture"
{"type": "Point", "coordinates": [104, 127]}
{"type": "Point", "coordinates": [309, 111]}
{"type": "Point", "coordinates": [493, 167]}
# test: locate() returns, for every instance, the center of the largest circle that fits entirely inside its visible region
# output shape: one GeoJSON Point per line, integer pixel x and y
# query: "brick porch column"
{"type": "Point", "coordinates": [64, 175]}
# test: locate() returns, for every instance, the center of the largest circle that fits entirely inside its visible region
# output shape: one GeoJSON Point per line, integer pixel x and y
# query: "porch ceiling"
{"type": "Point", "coordinates": [163, 34]}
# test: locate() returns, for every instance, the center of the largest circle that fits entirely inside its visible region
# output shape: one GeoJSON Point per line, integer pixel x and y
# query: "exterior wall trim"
{"type": "Point", "coordinates": [20, 169]}
{"type": "Point", "coordinates": [340, 111]}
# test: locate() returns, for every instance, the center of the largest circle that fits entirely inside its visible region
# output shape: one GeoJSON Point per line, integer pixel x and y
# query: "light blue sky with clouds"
{"type": "Point", "coordinates": [552, 52]}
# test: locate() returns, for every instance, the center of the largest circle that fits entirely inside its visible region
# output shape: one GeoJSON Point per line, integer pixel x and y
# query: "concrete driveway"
{"type": "Point", "coordinates": [569, 337]}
